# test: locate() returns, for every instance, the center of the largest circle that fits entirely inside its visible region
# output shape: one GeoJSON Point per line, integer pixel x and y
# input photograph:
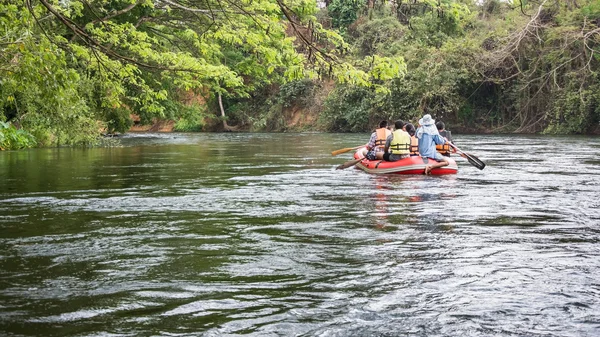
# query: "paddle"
{"type": "Point", "coordinates": [349, 163]}
{"type": "Point", "coordinates": [340, 151]}
{"type": "Point", "coordinates": [471, 158]}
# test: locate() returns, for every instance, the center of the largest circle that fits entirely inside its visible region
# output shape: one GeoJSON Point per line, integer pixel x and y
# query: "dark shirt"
{"type": "Point", "coordinates": [447, 134]}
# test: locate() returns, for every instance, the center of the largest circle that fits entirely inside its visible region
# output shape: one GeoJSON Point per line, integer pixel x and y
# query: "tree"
{"type": "Point", "coordinates": [107, 59]}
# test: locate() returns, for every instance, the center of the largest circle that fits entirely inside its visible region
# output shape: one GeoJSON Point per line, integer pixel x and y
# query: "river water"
{"type": "Point", "coordinates": [258, 234]}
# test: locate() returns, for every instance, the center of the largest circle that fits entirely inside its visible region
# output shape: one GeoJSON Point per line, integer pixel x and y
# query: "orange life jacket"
{"type": "Point", "coordinates": [382, 135]}
{"type": "Point", "coordinates": [414, 146]}
{"type": "Point", "coordinates": [443, 149]}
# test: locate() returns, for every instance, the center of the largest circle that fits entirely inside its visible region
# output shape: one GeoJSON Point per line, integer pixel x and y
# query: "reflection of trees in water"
{"type": "Point", "coordinates": [402, 200]}
{"type": "Point", "coordinates": [381, 200]}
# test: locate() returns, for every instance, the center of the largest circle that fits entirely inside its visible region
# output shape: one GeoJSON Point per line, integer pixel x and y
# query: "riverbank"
{"type": "Point", "coordinates": [301, 120]}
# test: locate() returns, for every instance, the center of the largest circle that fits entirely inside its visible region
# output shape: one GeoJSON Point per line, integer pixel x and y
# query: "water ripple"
{"type": "Point", "coordinates": [187, 235]}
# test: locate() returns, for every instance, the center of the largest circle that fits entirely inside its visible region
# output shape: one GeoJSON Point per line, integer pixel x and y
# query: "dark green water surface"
{"type": "Point", "coordinates": [257, 234]}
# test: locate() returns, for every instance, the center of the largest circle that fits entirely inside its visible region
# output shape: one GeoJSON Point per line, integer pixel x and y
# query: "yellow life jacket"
{"type": "Point", "coordinates": [382, 134]}
{"type": "Point", "coordinates": [400, 144]}
{"type": "Point", "coordinates": [414, 146]}
{"type": "Point", "coordinates": [443, 149]}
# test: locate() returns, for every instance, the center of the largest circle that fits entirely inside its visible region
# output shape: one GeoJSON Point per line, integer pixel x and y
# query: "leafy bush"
{"type": "Point", "coordinates": [192, 120]}
{"type": "Point", "coordinates": [12, 138]}
{"type": "Point", "coordinates": [381, 35]}
{"type": "Point", "coordinates": [118, 120]}
{"type": "Point", "coordinates": [348, 108]}
{"type": "Point", "coordinates": [344, 12]}
{"type": "Point", "coordinates": [575, 112]}
{"type": "Point", "coordinates": [298, 93]}
{"type": "Point", "coordinates": [188, 125]}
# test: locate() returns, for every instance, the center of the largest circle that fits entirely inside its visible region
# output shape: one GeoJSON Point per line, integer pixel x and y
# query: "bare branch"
{"type": "Point", "coordinates": [286, 12]}
{"type": "Point", "coordinates": [114, 14]}
{"type": "Point", "coordinates": [194, 10]}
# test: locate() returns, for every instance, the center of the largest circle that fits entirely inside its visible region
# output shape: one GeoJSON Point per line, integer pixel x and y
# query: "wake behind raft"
{"type": "Point", "coordinates": [410, 165]}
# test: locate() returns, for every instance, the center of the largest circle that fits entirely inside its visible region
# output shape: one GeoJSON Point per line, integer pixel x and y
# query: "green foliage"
{"type": "Point", "coordinates": [482, 64]}
{"type": "Point", "coordinates": [38, 88]}
{"type": "Point", "coordinates": [344, 12]}
{"type": "Point", "coordinates": [348, 108]}
{"type": "Point", "coordinates": [258, 114]}
{"type": "Point", "coordinates": [383, 35]}
{"type": "Point", "coordinates": [269, 108]}
{"type": "Point", "coordinates": [87, 65]}
{"type": "Point", "coordinates": [188, 125]}
{"type": "Point", "coordinates": [264, 111]}
{"type": "Point", "coordinates": [575, 112]}
{"type": "Point", "coordinates": [432, 82]}
{"type": "Point", "coordinates": [475, 63]}
{"type": "Point", "coordinates": [12, 138]}
{"type": "Point", "coordinates": [466, 114]}
{"type": "Point", "coordinates": [118, 119]}
{"type": "Point", "coordinates": [192, 118]}
{"type": "Point", "coordinates": [545, 73]}
{"type": "Point", "coordinates": [590, 10]}
{"type": "Point", "coordinates": [297, 93]}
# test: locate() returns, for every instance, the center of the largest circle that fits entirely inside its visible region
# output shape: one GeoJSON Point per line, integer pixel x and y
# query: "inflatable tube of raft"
{"type": "Point", "coordinates": [410, 165]}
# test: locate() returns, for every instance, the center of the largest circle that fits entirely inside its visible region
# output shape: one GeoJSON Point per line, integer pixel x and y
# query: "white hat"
{"type": "Point", "coordinates": [426, 120]}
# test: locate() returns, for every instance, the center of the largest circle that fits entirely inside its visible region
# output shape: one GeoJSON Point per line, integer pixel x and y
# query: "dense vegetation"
{"type": "Point", "coordinates": [70, 70]}
{"type": "Point", "coordinates": [491, 66]}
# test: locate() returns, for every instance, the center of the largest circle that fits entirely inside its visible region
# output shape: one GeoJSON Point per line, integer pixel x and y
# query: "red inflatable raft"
{"type": "Point", "coordinates": [410, 165]}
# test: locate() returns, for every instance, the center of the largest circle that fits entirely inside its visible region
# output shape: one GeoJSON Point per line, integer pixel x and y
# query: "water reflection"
{"type": "Point", "coordinates": [380, 201]}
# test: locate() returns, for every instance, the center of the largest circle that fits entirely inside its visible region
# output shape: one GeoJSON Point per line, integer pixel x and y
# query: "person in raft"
{"type": "Point", "coordinates": [429, 137]}
{"type": "Point", "coordinates": [444, 149]}
{"type": "Point", "coordinates": [376, 143]}
{"type": "Point", "coordinates": [414, 142]}
{"type": "Point", "coordinates": [397, 145]}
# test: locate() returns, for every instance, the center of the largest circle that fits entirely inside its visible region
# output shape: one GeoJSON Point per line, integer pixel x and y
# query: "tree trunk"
{"type": "Point", "coordinates": [225, 126]}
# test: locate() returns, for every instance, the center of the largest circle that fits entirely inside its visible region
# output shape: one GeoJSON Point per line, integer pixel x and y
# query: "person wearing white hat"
{"type": "Point", "coordinates": [429, 137]}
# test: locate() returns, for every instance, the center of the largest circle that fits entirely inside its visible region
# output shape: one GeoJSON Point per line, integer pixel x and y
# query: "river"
{"type": "Point", "coordinates": [258, 234]}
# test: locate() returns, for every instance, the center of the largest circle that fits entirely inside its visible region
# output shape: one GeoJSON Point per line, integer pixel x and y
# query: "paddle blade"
{"type": "Point", "coordinates": [475, 161]}
{"type": "Point", "coordinates": [336, 152]}
{"type": "Point", "coordinates": [471, 158]}
{"type": "Point", "coordinates": [340, 151]}
{"type": "Point", "coordinates": [349, 164]}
